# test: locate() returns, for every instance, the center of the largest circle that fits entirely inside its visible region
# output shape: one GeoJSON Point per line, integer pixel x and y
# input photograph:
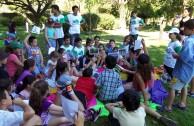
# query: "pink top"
{"type": "Point", "coordinates": [11, 66]}
{"type": "Point", "coordinates": [25, 94]}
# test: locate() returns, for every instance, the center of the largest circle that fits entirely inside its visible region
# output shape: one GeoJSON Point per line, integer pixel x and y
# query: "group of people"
{"type": "Point", "coordinates": [72, 71]}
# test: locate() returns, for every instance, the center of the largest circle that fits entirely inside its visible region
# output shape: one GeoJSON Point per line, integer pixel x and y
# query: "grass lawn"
{"type": "Point", "coordinates": [156, 49]}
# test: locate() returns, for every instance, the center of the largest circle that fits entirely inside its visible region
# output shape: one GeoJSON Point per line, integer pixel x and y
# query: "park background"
{"type": "Point", "coordinates": [109, 19]}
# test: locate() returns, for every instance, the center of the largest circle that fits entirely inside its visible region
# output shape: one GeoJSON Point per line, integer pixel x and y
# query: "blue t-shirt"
{"type": "Point", "coordinates": [184, 67]}
{"type": "Point", "coordinates": [50, 32]}
{"type": "Point", "coordinates": [34, 53]}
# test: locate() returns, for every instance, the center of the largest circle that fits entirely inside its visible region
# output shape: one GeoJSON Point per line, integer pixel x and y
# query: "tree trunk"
{"type": "Point", "coordinates": [37, 19]}
{"type": "Point", "coordinates": [122, 12]}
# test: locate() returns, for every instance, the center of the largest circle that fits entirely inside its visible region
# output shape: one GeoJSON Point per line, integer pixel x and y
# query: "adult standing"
{"type": "Point", "coordinates": [57, 18]}
{"type": "Point", "coordinates": [134, 25]}
{"type": "Point", "coordinates": [74, 20]}
{"type": "Point", "coordinates": [181, 21]}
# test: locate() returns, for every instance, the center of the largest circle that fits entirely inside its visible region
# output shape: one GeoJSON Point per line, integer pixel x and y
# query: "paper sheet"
{"type": "Point", "coordinates": [50, 50]}
{"type": "Point", "coordinates": [70, 108]}
{"type": "Point", "coordinates": [138, 44]}
{"type": "Point", "coordinates": [36, 30]}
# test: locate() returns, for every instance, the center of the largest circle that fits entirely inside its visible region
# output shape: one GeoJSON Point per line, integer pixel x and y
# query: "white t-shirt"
{"type": "Point", "coordinates": [125, 118]}
{"type": "Point", "coordinates": [67, 49]}
{"type": "Point", "coordinates": [50, 64]}
{"type": "Point", "coordinates": [59, 31]}
{"type": "Point", "coordinates": [168, 58]}
{"type": "Point", "coordinates": [11, 118]}
{"type": "Point", "coordinates": [75, 23]}
{"type": "Point", "coordinates": [78, 52]}
{"type": "Point", "coordinates": [126, 47]}
{"type": "Point", "coordinates": [134, 22]}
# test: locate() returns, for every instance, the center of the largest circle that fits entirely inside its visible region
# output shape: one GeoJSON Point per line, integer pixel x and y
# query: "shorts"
{"type": "Point", "coordinates": [177, 84]}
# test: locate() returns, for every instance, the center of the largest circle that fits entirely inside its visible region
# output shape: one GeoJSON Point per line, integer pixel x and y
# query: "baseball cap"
{"type": "Point", "coordinates": [16, 44]}
{"type": "Point", "coordinates": [50, 21]}
{"type": "Point", "coordinates": [174, 30]}
{"type": "Point", "coordinates": [3, 55]}
{"type": "Point", "coordinates": [63, 81]}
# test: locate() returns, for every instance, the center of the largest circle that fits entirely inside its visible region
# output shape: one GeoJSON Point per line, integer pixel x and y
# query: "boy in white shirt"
{"type": "Point", "coordinates": [134, 25]}
{"type": "Point", "coordinates": [66, 45]}
{"type": "Point", "coordinates": [132, 112]}
{"type": "Point", "coordinates": [79, 49]}
{"type": "Point", "coordinates": [26, 117]}
{"type": "Point", "coordinates": [74, 20]}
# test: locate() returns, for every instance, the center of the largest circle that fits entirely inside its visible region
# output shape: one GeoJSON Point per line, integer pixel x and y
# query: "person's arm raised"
{"type": "Point", "coordinates": [26, 40]}
{"type": "Point", "coordinates": [28, 111]}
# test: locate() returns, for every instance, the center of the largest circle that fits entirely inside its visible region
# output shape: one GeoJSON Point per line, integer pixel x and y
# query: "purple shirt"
{"type": "Point", "coordinates": [21, 78]}
{"type": "Point", "coordinates": [45, 110]}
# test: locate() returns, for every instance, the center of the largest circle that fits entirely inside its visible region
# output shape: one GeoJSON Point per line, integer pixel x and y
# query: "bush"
{"type": "Point", "coordinates": [107, 21]}
{"type": "Point", "coordinates": [4, 21]}
{"type": "Point", "coordinates": [95, 19]}
{"type": "Point", "coordinates": [20, 21]}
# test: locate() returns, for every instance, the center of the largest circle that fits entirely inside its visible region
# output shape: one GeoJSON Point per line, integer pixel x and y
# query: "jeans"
{"type": "Point", "coordinates": [134, 36]}
{"type": "Point", "coordinates": [72, 38]}
{"type": "Point", "coordinates": [38, 69]}
{"type": "Point", "coordinates": [52, 43]}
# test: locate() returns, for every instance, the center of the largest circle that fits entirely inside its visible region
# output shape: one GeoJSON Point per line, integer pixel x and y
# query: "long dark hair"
{"type": "Point", "coordinates": [27, 65]}
{"type": "Point", "coordinates": [144, 67]}
{"type": "Point", "coordinates": [36, 95]}
{"type": "Point", "coordinates": [190, 10]}
{"type": "Point", "coordinates": [28, 80]}
{"type": "Point", "coordinates": [60, 68]}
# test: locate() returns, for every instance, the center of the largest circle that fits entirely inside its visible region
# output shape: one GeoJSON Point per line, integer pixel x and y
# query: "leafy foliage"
{"type": "Point", "coordinates": [95, 19]}
{"type": "Point", "coordinates": [4, 21]}
{"type": "Point", "coordinates": [20, 21]}
{"type": "Point", "coordinates": [107, 21]}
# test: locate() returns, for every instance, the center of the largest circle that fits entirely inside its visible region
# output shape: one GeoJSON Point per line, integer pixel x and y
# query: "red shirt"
{"type": "Point", "coordinates": [87, 86]}
{"type": "Point", "coordinates": [136, 86]}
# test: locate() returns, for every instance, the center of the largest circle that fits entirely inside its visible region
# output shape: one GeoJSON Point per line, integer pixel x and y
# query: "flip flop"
{"type": "Point", "coordinates": [176, 105]}
{"type": "Point", "coordinates": [163, 109]}
{"type": "Point", "coordinates": [190, 94]}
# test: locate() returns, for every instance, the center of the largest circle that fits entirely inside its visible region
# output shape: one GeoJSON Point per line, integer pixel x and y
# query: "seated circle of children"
{"type": "Point", "coordinates": [102, 79]}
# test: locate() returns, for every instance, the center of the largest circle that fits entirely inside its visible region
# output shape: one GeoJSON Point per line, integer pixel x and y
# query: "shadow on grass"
{"type": "Point", "coordinates": [156, 54]}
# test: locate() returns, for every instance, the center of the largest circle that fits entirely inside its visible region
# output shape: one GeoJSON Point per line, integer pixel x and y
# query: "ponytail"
{"type": "Point", "coordinates": [60, 68]}
{"type": "Point", "coordinates": [35, 100]}
{"type": "Point", "coordinates": [37, 95]}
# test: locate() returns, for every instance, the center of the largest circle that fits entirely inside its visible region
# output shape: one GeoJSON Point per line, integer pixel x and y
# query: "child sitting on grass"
{"type": "Point", "coordinates": [130, 112]}
{"type": "Point", "coordinates": [34, 52]}
{"type": "Point", "coordinates": [16, 118]}
{"type": "Point", "coordinates": [109, 81]}
{"type": "Point", "coordinates": [85, 86]}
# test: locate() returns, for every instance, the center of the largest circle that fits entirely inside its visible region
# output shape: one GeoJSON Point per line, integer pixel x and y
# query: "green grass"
{"type": "Point", "coordinates": [156, 51]}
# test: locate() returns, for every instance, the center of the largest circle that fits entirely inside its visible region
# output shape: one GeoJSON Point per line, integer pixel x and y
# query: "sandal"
{"type": "Point", "coordinates": [176, 105]}
{"type": "Point", "coordinates": [190, 94]}
{"type": "Point", "coordinates": [163, 109]}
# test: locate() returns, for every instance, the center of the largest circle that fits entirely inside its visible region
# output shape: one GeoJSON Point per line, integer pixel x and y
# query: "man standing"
{"type": "Point", "coordinates": [74, 20]}
{"type": "Point", "coordinates": [57, 18]}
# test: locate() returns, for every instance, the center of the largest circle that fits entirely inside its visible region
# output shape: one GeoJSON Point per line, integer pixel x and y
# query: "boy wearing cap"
{"type": "Point", "coordinates": [3, 61]}
{"type": "Point", "coordinates": [183, 70]}
{"type": "Point", "coordinates": [50, 34]}
{"type": "Point", "coordinates": [15, 59]}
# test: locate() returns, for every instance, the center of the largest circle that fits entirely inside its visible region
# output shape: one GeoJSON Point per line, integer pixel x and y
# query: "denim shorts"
{"type": "Point", "coordinates": [177, 84]}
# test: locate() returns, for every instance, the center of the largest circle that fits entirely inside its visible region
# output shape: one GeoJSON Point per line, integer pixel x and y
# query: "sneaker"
{"type": "Point", "coordinates": [95, 114]}
{"type": "Point", "coordinates": [168, 121]}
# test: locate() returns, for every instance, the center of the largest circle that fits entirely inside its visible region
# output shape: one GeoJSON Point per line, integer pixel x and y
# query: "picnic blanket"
{"type": "Point", "coordinates": [96, 104]}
